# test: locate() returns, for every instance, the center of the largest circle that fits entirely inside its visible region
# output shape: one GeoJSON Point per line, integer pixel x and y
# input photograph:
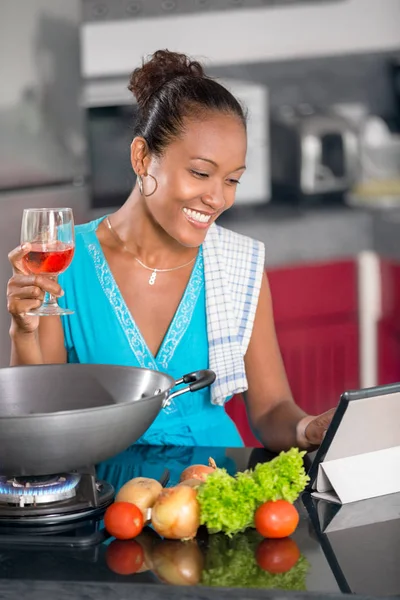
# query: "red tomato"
{"type": "Point", "coordinates": [277, 556]}
{"type": "Point", "coordinates": [123, 520]}
{"type": "Point", "coordinates": [124, 557]}
{"type": "Point", "coordinates": [276, 519]}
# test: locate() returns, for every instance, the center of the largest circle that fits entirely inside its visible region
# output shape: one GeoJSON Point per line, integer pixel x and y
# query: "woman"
{"type": "Point", "coordinates": [158, 285]}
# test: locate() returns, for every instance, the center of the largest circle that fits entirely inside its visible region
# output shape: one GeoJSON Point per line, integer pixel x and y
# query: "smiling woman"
{"type": "Point", "coordinates": [159, 285]}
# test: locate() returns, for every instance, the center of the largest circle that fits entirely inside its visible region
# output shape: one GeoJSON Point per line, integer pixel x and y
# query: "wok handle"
{"type": "Point", "coordinates": [196, 380]}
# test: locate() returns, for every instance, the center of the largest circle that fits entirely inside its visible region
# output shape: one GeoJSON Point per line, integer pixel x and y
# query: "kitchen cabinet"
{"type": "Point", "coordinates": [316, 318]}
{"type": "Point", "coordinates": [389, 323]}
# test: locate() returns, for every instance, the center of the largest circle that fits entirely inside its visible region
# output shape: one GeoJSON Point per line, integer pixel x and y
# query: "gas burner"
{"type": "Point", "coordinates": [34, 502]}
{"type": "Point", "coordinates": [38, 490]}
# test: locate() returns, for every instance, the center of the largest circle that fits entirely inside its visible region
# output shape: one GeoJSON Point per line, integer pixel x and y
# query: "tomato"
{"type": "Point", "coordinates": [124, 557]}
{"type": "Point", "coordinates": [123, 520]}
{"type": "Point", "coordinates": [277, 556]}
{"type": "Point", "coordinates": [276, 519]}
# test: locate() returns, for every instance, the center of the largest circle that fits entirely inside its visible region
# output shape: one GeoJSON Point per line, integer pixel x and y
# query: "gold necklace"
{"type": "Point", "coordinates": [153, 275]}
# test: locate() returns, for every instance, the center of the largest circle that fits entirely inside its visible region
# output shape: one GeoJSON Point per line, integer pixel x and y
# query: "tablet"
{"type": "Point", "coordinates": [360, 453]}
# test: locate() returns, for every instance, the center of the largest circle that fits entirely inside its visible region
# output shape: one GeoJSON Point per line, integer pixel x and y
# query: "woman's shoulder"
{"type": "Point", "coordinates": [84, 229]}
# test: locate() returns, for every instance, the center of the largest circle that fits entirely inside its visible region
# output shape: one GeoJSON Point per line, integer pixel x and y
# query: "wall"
{"type": "Point", "coordinates": [266, 34]}
{"type": "Point", "coordinates": [19, 22]}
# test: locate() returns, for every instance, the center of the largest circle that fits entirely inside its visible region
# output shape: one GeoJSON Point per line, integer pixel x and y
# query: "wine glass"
{"type": "Point", "coordinates": [51, 235]}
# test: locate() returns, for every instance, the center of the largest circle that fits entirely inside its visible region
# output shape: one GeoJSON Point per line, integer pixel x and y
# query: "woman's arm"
{"type": "Point", "coordinates": [276, 419]}
{"type": "Point", "coordinates": [43, 346]}
{"type": "Point", "coordinates": [51, 337]}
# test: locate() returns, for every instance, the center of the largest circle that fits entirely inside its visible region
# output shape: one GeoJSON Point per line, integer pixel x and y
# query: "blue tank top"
{"type": "Point", "coordinates": [102, 331]}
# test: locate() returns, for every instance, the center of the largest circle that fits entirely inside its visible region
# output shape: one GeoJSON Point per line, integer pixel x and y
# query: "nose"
{"type": "Point", "coordinates": [214, 199]}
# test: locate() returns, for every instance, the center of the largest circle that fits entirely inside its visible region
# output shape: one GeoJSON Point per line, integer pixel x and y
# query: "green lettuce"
{"type": "Point", "coordinates": [230, 562]}
{"type": "Point", "coordinates": [228, 503]}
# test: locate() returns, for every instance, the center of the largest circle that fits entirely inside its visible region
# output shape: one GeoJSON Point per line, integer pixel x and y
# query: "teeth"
{"type": "Point", "coordinates": [193, 214]}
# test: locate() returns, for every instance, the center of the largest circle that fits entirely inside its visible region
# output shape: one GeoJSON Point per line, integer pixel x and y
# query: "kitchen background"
{"type": "Point", "coordinates": [321, 80]}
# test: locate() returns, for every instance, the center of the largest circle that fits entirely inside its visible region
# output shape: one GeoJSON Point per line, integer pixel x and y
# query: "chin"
{"type": "Point", "coordinates": [190, 241]}
{"type": "Point", "coordinates": [189, 236]}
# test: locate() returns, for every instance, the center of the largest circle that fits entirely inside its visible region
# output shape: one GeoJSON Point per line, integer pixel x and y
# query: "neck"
{"type": "Point", "coordinates": [145, 238]}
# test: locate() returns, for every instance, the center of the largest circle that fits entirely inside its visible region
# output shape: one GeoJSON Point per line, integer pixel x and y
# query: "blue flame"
{"type": "Point", "coordinates": [63, 483]}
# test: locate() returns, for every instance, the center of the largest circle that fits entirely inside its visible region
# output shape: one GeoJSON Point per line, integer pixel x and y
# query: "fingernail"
{"type": "Point", "coordinates": [61, 293]}
{"type": "Point", "coordinates": [24, 246]}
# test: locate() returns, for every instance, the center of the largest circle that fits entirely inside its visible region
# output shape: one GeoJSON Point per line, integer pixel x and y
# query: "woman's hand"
{"type": "Point", "coordinates": [26, 291]}
{"type": "Point", "coordinates": [317, 426]}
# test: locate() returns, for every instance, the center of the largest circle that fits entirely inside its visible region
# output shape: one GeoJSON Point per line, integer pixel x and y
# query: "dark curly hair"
{"type": "Point", "coordinates": [170, 87]}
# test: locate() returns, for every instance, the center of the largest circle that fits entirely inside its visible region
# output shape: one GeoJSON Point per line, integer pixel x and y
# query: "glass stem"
{"type": "Point", "coordinates": [49, 299]}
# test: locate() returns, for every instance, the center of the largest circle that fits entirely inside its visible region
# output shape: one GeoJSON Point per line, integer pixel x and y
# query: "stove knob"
{"type": "Point", "coordinates": [99, 10]}
{"type": "Point", "coordinates": [133, 8]}
{"type": "Point", "coordinates": [168, 5]}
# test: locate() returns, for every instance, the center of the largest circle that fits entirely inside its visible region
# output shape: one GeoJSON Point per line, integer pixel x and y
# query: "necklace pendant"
{"type": "Point", "coordinates": [152, 279]}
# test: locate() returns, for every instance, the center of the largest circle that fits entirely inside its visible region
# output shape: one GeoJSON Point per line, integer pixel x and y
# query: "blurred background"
{"type": "Point", "coordinates": [321, 81]}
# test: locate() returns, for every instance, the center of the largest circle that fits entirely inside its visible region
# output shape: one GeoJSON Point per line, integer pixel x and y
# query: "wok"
{"type": "Point", "coordinates": [58, 418]}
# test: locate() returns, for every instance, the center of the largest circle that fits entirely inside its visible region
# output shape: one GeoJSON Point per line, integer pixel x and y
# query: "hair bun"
{"type": "Point", "coordinates": [161, 68]}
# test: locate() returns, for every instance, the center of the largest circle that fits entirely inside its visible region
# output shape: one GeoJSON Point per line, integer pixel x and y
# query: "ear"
{"type": "Point", "coordinates": [140, 156]}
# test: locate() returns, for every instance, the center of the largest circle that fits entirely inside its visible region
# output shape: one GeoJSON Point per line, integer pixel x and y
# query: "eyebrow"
{"type": "Point", "coordinates": [214, 163]}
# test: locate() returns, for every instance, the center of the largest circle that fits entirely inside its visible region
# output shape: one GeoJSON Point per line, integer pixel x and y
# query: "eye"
{"type": "Point", "coordinates": [198, 174]}
{"type": "Point", "coordinates": [233, 181]}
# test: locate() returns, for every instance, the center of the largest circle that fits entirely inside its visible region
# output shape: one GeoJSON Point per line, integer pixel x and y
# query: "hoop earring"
{"type": "Point", "coordinates": [141, 188]}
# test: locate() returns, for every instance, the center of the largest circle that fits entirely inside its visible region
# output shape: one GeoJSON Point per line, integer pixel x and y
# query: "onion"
{"type": "Point", "coordinates": [178, 563]}
{"type": "Point", "coordinates": [194, 483]}
{"type": "Point", "coordinates": [141, 491]}
{"type": "Point", "coordinates": [199, 471]}
{"type": "Point", "coordinates": [176, 513]}
{"type": "Point", "coordinates": [147, 541]}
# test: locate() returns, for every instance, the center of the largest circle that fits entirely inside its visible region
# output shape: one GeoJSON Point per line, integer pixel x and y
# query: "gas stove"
{"type": "Point", "coordinates": [64, 509]}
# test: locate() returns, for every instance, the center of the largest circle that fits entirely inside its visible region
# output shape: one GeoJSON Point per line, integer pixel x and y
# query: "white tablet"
{"type": "Point", "coordinates": [359, 457]}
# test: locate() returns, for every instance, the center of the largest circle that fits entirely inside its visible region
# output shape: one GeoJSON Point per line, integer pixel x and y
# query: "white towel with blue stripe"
{"type": "Point", "coordinates": [233, 270]}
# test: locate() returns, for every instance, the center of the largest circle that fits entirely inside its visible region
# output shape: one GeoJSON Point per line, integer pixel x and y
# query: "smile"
{"type": "Point", "coordinates": [196, 216]}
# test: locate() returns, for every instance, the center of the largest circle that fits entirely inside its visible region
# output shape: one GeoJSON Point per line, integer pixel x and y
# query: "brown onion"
{"type": "Point", "coordinates": [176, 513]}
{"type": "Point", "coordinates": [178, 563]}
{"type": "Point", "coordinates": [199, 471]}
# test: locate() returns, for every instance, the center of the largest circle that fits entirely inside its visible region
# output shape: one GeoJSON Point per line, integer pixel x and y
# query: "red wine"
{"type": "Point", "coordinates": [51, 260]}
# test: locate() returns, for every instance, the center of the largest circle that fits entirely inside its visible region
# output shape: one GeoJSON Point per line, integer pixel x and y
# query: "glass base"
{"type": "Point", "coordinates": [49, 310]}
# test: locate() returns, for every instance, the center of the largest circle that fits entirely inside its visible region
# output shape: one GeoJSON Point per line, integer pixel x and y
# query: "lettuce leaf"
{"type": "Point", "coordinates": [283, 477]}
{"type": "Point", "coordinates": [228, 503]}
{"type": "Point", "coordinates": [230, 562]}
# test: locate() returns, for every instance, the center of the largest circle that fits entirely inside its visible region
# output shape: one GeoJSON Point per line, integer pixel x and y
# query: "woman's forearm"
{"type": "Point", "coordinates": [25, 348]}
{"type": "Point", "coordinates": [283, 427]}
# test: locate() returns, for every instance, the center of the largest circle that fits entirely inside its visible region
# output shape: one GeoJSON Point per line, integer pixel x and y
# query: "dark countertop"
{"type": "Point", "coordinates": [294, 235]}
{"type": "Point", "coordinates": [336, 556]}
